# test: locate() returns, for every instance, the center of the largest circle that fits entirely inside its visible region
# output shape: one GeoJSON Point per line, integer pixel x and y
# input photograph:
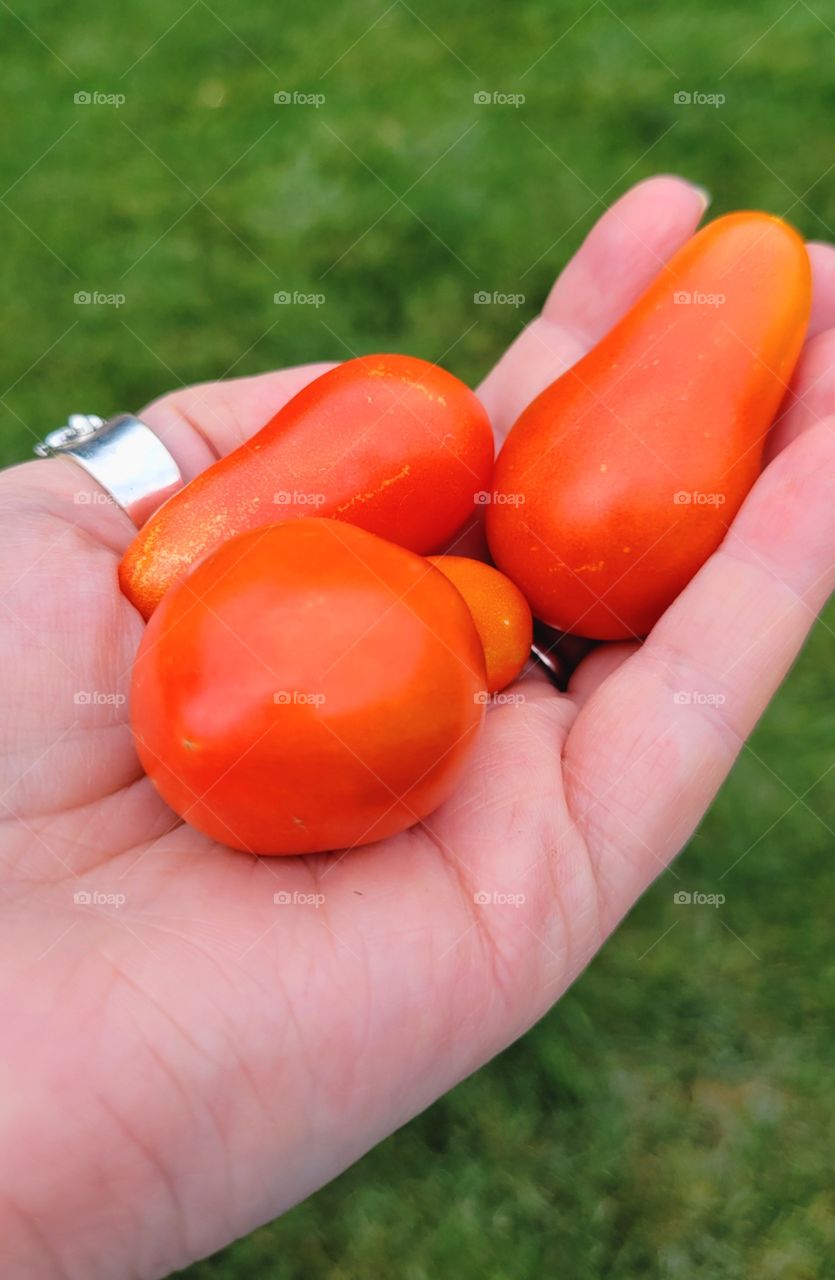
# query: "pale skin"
{"type": "Point", "coordinates": [185, 1064]}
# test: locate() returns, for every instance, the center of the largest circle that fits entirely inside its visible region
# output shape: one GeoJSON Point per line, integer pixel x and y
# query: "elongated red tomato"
{"type": "Point", "coordinates": [308, 687]}
{"type": "Point", "coordinates": [390, 443]}
{"type": "Point", "coordinates": [620, 479]}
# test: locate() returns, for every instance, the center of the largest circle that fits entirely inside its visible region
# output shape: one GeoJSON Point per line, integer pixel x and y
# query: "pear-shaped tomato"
{"type": "Point", "coordinates": [621, 478]}
{"type": "Point", "coordinates": [390, 443]}
{"type": "Point", "coordinates": [309, 686]}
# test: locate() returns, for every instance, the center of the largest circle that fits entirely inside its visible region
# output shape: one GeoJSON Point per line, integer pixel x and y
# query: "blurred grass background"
{"type": "Point", "coordinates": [673, 1116]}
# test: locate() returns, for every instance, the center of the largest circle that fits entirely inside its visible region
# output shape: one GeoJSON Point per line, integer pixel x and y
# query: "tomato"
{"type": "Point", "coordinates": [500, 612]}
{"type": "Point", "coordinates": [390, 443]}
{"type": "Point", "coordinates": [309, 686]}
{"type": "Point", "coordinates": [621, 478]}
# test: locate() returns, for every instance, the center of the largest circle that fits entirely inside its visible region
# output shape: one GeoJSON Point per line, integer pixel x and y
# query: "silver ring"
{"type": "Point", "coordinates": [123, 455]}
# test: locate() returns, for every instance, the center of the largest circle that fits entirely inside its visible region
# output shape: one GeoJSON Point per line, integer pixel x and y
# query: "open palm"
{"type": "Point", "coordinates": [196, 1038]}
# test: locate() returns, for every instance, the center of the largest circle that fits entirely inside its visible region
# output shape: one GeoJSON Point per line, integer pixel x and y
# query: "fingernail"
{"type": "Point", "coordinates": [705, 195]}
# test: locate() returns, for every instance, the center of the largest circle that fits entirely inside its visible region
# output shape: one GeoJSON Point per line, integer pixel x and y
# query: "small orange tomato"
{"type": "Point", "coordinates": [501, 614]}
{"type": "Point", "coordinates": [308, 687]}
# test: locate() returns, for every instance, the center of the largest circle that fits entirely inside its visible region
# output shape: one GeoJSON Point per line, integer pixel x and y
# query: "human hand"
{"type": "Point", "coordinates": [184, 1057]}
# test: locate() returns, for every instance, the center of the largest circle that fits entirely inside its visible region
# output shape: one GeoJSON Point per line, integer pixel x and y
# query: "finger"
{"type": "Point", "coordinates": [822, 257]}
{"type": "Point", "coordinates": [200, 424]}
{"type": "Point", "coordinates": [601, 663]}
{"type": "Point", "coordinates": [649, 751]}
{"type": "Point", "coordinates": [623, 252]}
{"type": "Point", "coordinates": [811, 396]}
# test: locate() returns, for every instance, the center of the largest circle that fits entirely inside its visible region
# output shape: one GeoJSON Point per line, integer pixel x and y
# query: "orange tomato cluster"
{"type": "Point", "coordinates": [308, 684]}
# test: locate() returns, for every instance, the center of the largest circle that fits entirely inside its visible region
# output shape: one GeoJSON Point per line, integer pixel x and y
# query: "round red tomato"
{"type": "Point", "coordinates": [308, 687]}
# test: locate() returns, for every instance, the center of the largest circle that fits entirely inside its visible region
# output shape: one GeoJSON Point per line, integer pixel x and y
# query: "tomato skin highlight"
{"type": "Point", "coordinates": [501, 614]}
{"type": "Point", "coordinates": [621, 478]}
{"type": "Point", "coordinates": [308, 687]}
{"type": "Point", "coordinates": [391, 443]}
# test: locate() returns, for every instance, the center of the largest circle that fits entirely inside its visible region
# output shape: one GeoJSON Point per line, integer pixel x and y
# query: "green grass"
{"type": "Point", "coordinates": [673, 1117]}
